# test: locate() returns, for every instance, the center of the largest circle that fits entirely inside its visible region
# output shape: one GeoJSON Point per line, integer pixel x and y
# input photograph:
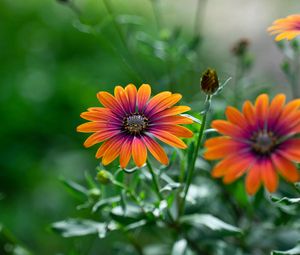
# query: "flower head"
{"type": "Point", "coordinates": [286, 28]}
{"type": "Point", "coordinates": [129, 121]}
{"type": "Point", "coordinates": [260, 141]}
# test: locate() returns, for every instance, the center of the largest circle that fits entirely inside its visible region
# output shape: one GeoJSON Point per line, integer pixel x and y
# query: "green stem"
{"type": "Point", "coordinates": [157, 188]}
{"type": "Point", "coordinates": [191, 167]}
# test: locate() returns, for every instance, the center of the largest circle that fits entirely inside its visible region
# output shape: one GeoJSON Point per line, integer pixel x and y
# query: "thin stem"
{"type": "Point", "coordinates": [155, 182]}
{"type": "Point", "coordinates": [157, 188]}
{"type": "Point", "coordinates": [191, 167]}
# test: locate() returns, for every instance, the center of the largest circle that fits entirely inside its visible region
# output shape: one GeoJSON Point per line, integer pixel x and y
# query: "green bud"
{"type": "Point", "coordinates": [94, 193]}
{"type": "Point", "coordinates": [104, 177]}
{"type": "Point", "coordinates": [209, 81]}
{"type": "Point", "coordinates": [241, 47]}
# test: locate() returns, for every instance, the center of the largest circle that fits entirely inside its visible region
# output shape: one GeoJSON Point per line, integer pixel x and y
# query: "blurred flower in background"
{"type": "Point", "coordinates": [286, 28]}
{"type": "Point", "coordinates": [257, 142]}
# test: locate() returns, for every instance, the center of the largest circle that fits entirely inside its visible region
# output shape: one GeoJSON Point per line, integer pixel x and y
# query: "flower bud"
{"type": "Point", "coordinates": [209, 81]}
{"type": "Point", "coordinates": [104, 177]}
{"type": "Point", "coordinates": [94, 193]}
{"type": "Point", "coordinates": [241, 47]}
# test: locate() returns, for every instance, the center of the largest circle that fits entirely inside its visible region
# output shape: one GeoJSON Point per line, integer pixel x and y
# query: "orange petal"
{"type": "Point", "coordinates": [131, 95]}
{"type": "Point", "coordinates": [156, 100]}
{"type": "Point", "coordinates": [175, 130]}
{"type": "Point", "coordinates": [113, 151]}
{"type": "Point", "coordinates": [143, 96]}
{"type": "Point", "coordinates": [276, 108]}
{"type": "Point", "coordinates": [261, 109]}
{"type": "Point", "coordinates": [175, 120]}
{"type": "Point", "coordinates": [290, 150]}
{"type": "Point", "coordinates": [99, 137]}
{"type": "Point", "coordinates": [139, 151]}
{"type": "Point", "coordinates": [96, 126]}
{"type": "Point", "coordinates": [269, 175]}
{"type": "Point", "coordinates": [236, 117]}
{"type": "Point", "coordinates": [249, 112]}
{"type": "Point", "coordinates": [104, 146]}
{"type": "Point", "coordinates": [156, 150]}
{"type": "Point", "coordinates": [172, 111]}
{"type": "Point", "coordinates": [253, 179]}
{"type": "Point", "coordinates": [286, 168]}
{"type": "Point", "coordinates": [222, 167]}
{"type": "Point", "coordinates": [170, 139]}
{"type": "Point", "coordinates": [109, 101]}
{"type": "Point", "coordinates": [227, 128]}
{"type": "Point", "coordinates": [125, 153]}
{"type": "Point", "coordinates": [223, 149]}
{"type": "Point", "coordinates": [237, 169]}
{"type": "Point", "coordinates": [166, 103]}
{"type": "Point", "coordinates": [97, 115]}
{"type": "Point", "coordinates": [121, 97]}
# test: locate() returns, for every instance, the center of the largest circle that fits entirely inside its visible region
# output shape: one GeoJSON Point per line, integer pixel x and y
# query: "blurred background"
{"type": "Point", "coordinates": [56, 55]}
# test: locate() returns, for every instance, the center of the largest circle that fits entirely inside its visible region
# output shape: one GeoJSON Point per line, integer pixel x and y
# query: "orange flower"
{"type": "Point", "coordinates": [286, 28]}
{"type": "Point", "coordinates": [129, 121]}
{"type": "Point", "coordinates": [259, 142]}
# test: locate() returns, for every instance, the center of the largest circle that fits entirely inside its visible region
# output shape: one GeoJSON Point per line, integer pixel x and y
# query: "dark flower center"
{"type": "Point", "coordinates": [263, 142]}
{"type": "Point", "coordinates": [135, 123]}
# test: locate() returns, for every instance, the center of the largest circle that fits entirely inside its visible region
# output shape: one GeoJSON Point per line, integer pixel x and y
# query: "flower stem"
{"type": "Point", "coordinates": [157, 189]}
{"type": "Point", "coordinates": [191, 167]}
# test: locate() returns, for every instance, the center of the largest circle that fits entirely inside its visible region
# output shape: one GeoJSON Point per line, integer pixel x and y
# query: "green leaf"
{"type": "Point", "coordinates": [286, 201]}
{"type": "Point", "coordinates": [130, 215]}
{"type": "Point", "coordinates": [79, 227]}
{"type": "Point", "coordinates": [105, 202]}
{"type": "Point", "coordinates": [192, 118]}
{"type": "Point", "coordinates": [211, 222]}
{"type": "Point", "coordinates": [75, 188]}
{"type": "Point", "coordinates": [179, 247]}
{"type": "Point", "coordinates": [170, 186]}
{"type": "Point", "coordinates": [293, 251]}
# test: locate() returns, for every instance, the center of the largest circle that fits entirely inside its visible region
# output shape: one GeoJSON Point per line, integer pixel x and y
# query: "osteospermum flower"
{"type": "Point", "coordinates": [129, 121]}
{"type": "Point", "coordinates": [260, 142]}
{"type": "Point", "coordinates": [286, 28]}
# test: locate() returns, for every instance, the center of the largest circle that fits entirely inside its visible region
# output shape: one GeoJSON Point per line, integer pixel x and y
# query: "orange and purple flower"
{"type": "Point", "coordinates": [286, 28]}
{"type": "Point", "coordinates": [261, 141]}
{"type": "Point", "coordinates": [129, 121]}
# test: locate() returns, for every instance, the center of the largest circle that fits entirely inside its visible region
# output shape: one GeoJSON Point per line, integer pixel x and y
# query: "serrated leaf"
{"type": "Point", "coordinates": [211, 222]}
{"type": "Point", "coordinates": [293, 251]}
{"type": "Point", "coordinates": [79, 227]}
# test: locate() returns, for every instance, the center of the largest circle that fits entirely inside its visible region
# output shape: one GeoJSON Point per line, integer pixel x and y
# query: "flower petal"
{"type": "Point", "coordinates": [227, 128]}
{"type": "Point", "coordinates": [131, 95]}
{"type": "Point", "coordinates": [286, 168]}
{"type": "Point", "coordinates": [121, 97]}
{"type": "Point", "coordinates": [175, 130]}
{"type": "Point", "coordinates": [168, 138]}
{"type": "Point", "coordinates": [175, 120]}
{"type": "Point", "coordinates": [113, 151]}
{"type": "Point", "coordinates": [171, 111]}
{"type": "Point", "coordinates": [156, 150]}
{"type": "Point", "coordinates": [143, 95]}
{"type": "Point", "coordinates": [269, 175]}
{"type": "Point", "coordinates": [253, 179]}
{"type": "Point", "coordinates": [109, 101]}
{"type": "Point", "coordinates": [249, 113]}
{"type": "Point", "coordinates": [97, 126]}
{"type": "Point", "coordinates": [99, 137]}
{"type": "Point", "coordinates": [236, 117]}
{"type": "Point", "coordinates": [156, 100]}
{"type": "Point", "coordinates": [261, 109]}
{"type": "Point", "coordinates": [125, 153]}
{"type": "Point", "coordinates": [139, 151]}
